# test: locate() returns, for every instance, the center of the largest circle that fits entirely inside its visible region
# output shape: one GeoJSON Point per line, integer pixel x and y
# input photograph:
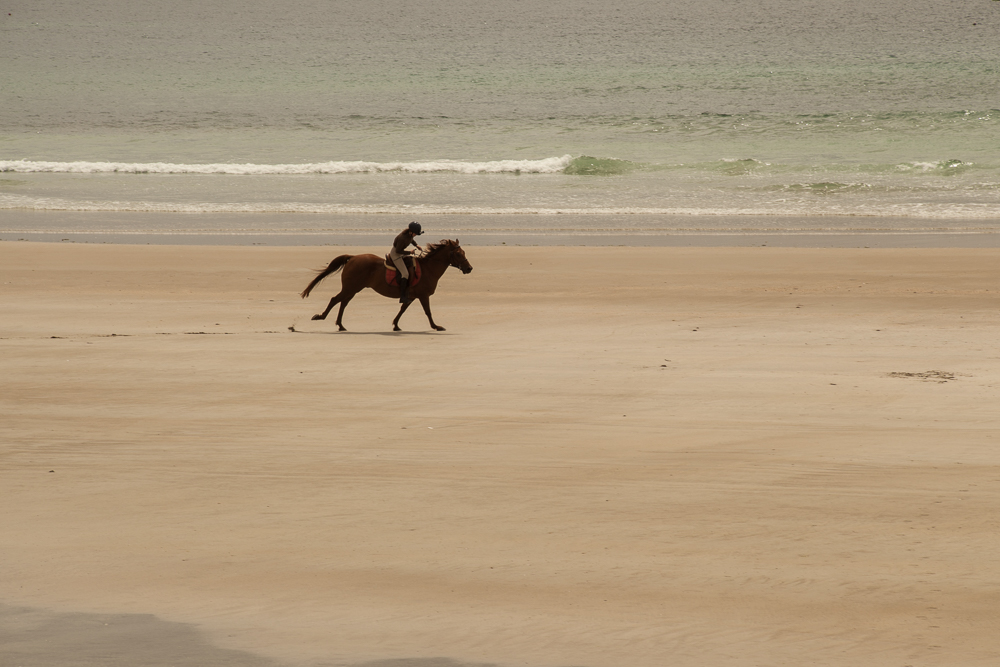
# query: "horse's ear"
{"type": "Point", "coordinates": [456, 242]}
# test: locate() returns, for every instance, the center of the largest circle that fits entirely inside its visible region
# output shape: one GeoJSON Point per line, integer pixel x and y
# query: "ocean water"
{"type": "Point", "coordinates": [336, 119]}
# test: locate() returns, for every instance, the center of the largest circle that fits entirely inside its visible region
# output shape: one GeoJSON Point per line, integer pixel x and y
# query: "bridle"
{"type": "Point", "coordinates": [453, 260]}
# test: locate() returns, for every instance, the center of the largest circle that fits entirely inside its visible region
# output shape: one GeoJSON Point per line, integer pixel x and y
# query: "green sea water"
{"type": "Point", "coordinates": [633, 117]}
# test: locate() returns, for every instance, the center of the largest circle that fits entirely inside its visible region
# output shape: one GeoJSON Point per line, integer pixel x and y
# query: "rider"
{"type": "Point", "coordinates": [399, 250]}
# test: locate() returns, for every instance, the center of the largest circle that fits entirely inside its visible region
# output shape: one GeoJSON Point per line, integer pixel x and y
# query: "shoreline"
{"type": "Point", "coordinates": [252, 229]}
{"type": "Point", "coordinates": [679, 240]}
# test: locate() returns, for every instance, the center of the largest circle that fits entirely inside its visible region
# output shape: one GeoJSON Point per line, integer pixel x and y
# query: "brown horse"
{"type": "Point", "coordinates": [361, 271]}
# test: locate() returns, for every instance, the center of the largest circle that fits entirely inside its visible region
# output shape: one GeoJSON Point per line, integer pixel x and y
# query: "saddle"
{"type": "Point", "coordinates": [392, 274]}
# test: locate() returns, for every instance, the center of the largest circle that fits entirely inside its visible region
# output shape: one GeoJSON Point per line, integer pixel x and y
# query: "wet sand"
{"type": "Point", "coordinates": [699, 231]}
{"type": "Point", "coordinates": [613, 456]}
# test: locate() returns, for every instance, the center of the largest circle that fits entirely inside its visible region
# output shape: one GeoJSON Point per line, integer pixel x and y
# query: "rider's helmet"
{"type": "Point", "coordinates": [415, 228]}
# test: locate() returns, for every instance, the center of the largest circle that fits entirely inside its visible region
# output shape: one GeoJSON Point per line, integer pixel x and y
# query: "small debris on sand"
{"type": "Point", "coordinates": [926, 376]}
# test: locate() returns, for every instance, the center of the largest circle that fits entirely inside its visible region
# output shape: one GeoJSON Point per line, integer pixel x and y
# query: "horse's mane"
{"type": "Point", "coordinates": [432, 249]}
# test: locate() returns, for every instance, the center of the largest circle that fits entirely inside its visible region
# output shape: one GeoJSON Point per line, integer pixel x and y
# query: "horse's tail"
{"type": "Point", "coordinates": [335, 265]}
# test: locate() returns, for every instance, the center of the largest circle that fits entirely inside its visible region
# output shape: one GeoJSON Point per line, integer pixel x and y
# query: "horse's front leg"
{"type": "Point", "coordinates": [395, 322]}
{"type": "Point", "coordinates": [425, 301]}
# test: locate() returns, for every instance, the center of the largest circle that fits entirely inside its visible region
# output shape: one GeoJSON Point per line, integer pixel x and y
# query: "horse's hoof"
{"type": "Point", "coordinates": [396, 329]}
{"type": "Point", "coordinates": [343, 328]}
{"type": "Point", "coordinates": [439, 329]}
{"type": "Point", "coordinates": [318, 317]}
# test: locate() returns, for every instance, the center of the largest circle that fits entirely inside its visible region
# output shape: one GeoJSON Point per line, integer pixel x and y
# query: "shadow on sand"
{"type": "Point", "coordinates": [37, 638]}
{"type": "Point", "coordinates": [374, 333]}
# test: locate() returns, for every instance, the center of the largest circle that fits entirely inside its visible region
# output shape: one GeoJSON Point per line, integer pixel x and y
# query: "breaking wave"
{"type": "Point", "coordinates": [551, 165]}
{"type": "Point", "coordinates": [594, 166]}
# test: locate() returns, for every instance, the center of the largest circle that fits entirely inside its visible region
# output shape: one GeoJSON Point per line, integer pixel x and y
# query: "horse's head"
{"type": "Point", "coordinates": [457, 258]}
{"type": "Point", "coordinates": [449, 253]}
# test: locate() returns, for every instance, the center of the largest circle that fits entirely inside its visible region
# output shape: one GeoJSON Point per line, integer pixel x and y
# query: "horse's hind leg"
{"type": "Point", "coordinates": [340, 315]}
{"type": "Point", "coordinates": [333, 302]}
{"type": "Point", "coordinates": [343, 299]}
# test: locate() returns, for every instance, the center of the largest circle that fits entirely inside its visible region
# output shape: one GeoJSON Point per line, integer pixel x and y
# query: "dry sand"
{"type": "Point", "coordinates": [614, 457]}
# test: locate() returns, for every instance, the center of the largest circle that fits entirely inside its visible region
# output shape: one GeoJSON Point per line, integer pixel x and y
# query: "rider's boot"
{"type": "Point", "coordinates": [403, 284]}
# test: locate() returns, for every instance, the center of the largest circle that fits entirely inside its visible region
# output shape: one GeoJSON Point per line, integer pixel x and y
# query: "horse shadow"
{"type": "Point", "coordinates": [375, 333]}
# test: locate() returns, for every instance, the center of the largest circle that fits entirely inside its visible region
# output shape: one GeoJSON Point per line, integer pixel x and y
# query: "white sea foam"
{"type": "Point", "coordinates": [940, 165]}
{"type": "Point", "coordinates": [549, 165]}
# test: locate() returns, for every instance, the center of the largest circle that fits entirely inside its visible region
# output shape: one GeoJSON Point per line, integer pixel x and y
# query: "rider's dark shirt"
{"type": "Point", "coordinates": [403, 241]}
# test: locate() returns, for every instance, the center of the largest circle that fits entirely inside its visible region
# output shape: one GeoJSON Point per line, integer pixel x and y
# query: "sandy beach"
{"type": "Point", "coordinates": [613, 457]}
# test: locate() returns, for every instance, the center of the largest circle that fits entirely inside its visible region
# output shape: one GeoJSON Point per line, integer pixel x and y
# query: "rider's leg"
{"type": "Point", "coordinates": [404, 275]}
